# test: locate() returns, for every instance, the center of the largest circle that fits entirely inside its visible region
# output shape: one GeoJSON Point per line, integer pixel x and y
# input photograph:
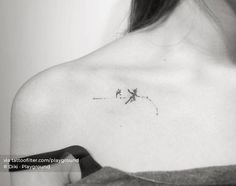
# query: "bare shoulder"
{"type": "Point", "coordinates": [50, 110]}
{"type": "Point", "coordinates": [45, 105]}
{"type": "Point", "coordinates": [36, 126]}
{"type": "Point", "coordinates": [43, 108]}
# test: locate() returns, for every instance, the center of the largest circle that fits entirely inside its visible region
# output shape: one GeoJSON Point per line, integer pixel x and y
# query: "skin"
{"type": "Point", "coordinates": [186, 66]}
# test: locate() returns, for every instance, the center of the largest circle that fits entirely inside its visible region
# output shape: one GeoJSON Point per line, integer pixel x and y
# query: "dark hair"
{"type": "Point", "coordinates": [146, 12]}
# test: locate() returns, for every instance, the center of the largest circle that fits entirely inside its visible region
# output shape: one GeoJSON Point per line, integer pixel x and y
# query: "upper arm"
{"type": "Point", "coordinates": [31, 117]}
{"type": "Point", "coordinates": [36, 128]}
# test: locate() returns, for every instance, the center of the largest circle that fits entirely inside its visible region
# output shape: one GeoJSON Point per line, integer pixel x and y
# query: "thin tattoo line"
{"type": "Point", "coordinates": [153, 104]}
{"type": "Point", "coordinates": [131, 98]}
{"type": "Point", "coordinates": [102, 98]}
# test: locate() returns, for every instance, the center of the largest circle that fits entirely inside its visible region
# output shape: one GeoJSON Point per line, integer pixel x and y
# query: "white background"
{"type": "Point", "coordinates": [35, 35]}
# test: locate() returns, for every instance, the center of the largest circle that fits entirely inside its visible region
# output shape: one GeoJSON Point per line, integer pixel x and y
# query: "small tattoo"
{"type": "Point", "coordinates": [133, 94]}
{"type": "Point", "coordinates": [118, 93]}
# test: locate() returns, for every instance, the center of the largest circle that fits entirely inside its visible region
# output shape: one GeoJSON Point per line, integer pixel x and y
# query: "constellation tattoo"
{"type": "Point", "coordinates": [133, 94]}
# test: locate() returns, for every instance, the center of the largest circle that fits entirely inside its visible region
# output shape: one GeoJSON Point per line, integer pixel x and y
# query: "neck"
{"type": "Point", "coordinates": [191, 27]}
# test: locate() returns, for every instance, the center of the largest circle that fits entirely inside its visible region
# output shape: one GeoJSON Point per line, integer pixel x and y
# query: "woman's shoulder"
{"type": "Point", "coordinates": [41, 106]}
{"type": "Point", "coordinates": [77, 76]}
{"type": "Point", "coordinates": [42, 110]}
{"type": "Point", "coordinates": [57, 80]}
